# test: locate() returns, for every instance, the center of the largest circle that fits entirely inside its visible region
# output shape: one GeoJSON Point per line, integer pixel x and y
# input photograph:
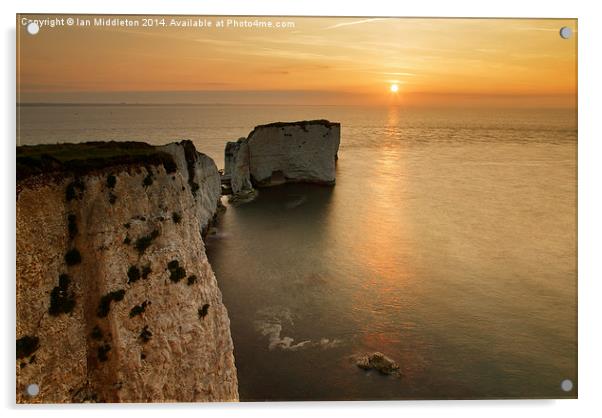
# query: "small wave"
{"type": "Point", "coordinates": [274, 333]}
{"type": "Point", "coordinates": [217, 235]}
{"type": "Point", "coordinates": [298, 201]}
{"type": "Point", "coordinates": [269, 324]}
{"type": "Point", "coordinates": [326, 343]}
{"type": "Point", "coordinates": [221, 235]}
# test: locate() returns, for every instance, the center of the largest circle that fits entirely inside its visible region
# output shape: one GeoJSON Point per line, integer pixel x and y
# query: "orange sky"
{"type": "Point", "coordinates": [521, 62]}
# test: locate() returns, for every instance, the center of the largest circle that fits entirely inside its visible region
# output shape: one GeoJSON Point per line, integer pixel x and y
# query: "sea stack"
{"type": "Point", "coordinates": [116, 300]}
{"type": "Point", "coordinates": [276, 153]}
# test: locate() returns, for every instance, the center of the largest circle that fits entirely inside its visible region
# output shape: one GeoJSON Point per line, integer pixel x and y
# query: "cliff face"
{"type": "Point", "coordinates": [284, 152]}
{"type": "Point", "coordinates": [200, 173]}
{"type": "Point", "coordinates": [116, 300]}
{"type": "Point", "coordinates": [237, 165]}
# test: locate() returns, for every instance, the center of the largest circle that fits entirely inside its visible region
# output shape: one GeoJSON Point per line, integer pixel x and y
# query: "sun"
{"type": "Point", "coordinates": [394, 88]}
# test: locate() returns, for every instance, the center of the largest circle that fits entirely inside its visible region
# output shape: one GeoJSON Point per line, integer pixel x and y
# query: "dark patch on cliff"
{"type": "Point", "coordinates": [203, 311]}
{"type": "Point", "coordinates": [190, 154]}
{"type": "Point", "coordinates": [104, 305]}
{"type": "Point", "coordinates": [27, 345]}
{"type": "Point", "coordinates": [111, 181]}
{"type": "Point", "coordinates": [139, 309]}
{"type": "Point", "coordinates": [177, 272]}
{"type": "Point", "coordinates": [145, 335]}
{"type": "Point", "coordinates": [148, 180]}
{"type": "Point", "coordinates": [73, 257]}
{"type": "Point", "coordinates": [96, 333]}
{"type": "Point", "coordinates": [176, 217]}
{"type": "Point", "coordinates": [133, 274]}
{"type": "Point", "coordinates": [83, 158]}
{"type": "Point", "coordinates": [72, 225]}
{"type": "Point", "coordinates": [146, 270]}
{"type": "Point", "coordinates": [103, 352]}
{"type": "Point", "coordinates": [61, 299]}
{"type": "Point", "coordinates": [75, 190]}
{"type": "Point", "coordinates": [144, 242]}
{"type": "Point", "coordinates": [191, 280]}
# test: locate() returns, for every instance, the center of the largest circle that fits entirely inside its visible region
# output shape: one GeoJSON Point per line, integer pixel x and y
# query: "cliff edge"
{"type": "Point", "coordinates": [116, 300]}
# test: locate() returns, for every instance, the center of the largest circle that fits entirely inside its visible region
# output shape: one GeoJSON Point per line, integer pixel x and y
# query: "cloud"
{"type": "Point", "coordinates": [398, 73]}
{"type": "Point", "coordinates": [356, 22]}
{"type": "Point", "coordinates": [533, 28]}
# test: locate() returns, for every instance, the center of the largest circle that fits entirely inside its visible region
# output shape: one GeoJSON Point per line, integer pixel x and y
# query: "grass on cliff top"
{"type": "Point", "coordinates": [302, 123]}
{"type": "Point", "coordinates": [86, 157]}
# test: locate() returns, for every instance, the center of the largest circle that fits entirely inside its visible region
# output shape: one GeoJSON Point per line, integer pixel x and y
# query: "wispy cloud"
{"type": "Point", "coordinates": [356, 22]}
{"type": "Point", "coordinates": [541, 29]}
{"type": "Point", "coordinates": [398, 73]}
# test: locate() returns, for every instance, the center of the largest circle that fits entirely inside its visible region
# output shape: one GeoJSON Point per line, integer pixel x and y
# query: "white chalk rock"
{"type": "Point", "coordinates": [201, 176]}
{"type": "Point", "coordinates": [294, 152]}
{"type": "Point", "coordinates": [237, 166]}
{"type": "Point", "coordinates": [281, 152]}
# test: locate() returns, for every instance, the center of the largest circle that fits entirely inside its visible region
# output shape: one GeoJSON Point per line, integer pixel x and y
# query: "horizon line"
{"type": "Point", "coordinates": [422, 106]}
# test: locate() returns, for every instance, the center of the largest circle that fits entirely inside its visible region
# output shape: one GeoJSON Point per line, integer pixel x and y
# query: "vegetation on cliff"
{"type": "Point", "coordinates": [86, 157]}
{"type": "Point", "coordinates": [62, 299]}
{"type": "Point", "coordinates": [105, 302]}
{"type": "Point", "coordinates": [27, 345]}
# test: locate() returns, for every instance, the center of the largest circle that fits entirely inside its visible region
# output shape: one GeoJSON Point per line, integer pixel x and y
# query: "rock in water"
{"type": "Point", "coordinates": [378, 361]}
{"type": "Point", "coordinates": [276, 153]}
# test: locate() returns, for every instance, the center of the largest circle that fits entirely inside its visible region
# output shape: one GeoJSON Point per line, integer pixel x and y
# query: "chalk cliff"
{"type": "Point", "coordinates": [237, 165]}
{"type": "Point", "coordinates": [281, 152]}
{"type": "Point", "coordinates": [116, 301]}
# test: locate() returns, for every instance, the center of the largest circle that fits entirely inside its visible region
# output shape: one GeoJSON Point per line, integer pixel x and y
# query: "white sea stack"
{"type": "Point", "coordinates": [272, 154]}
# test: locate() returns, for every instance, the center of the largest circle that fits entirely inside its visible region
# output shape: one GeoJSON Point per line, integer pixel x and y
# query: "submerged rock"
{"type": "Point", "coordinates": [244, 196]}
{"type": "Point", "coordinates": [378, 361]}
{"type": "Point", "coordinates": [281, 152]}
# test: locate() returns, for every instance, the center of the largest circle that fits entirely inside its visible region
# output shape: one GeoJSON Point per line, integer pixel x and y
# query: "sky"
{"type": "Point", "coordinates": [333, 61]}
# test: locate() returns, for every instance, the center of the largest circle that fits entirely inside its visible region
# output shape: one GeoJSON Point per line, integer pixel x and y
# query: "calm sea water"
{"type": "Point", "coordinates": [448, 243]}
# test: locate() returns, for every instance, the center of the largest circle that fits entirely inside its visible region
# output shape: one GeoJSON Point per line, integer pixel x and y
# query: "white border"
{"type": "Point", "coordinates": [590, 207]}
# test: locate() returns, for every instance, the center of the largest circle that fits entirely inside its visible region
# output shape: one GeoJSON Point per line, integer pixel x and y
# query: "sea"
{"type": "Point", "coordinates": [449, 244]}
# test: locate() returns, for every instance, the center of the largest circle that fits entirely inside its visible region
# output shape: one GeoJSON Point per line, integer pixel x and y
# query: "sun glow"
{"type": "Point", "coordinates": [510, 62]}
